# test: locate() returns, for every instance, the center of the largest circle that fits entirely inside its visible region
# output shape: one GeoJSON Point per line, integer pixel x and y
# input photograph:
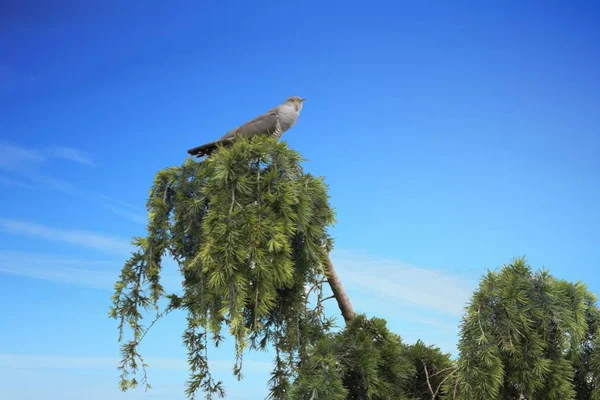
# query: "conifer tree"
{"type": "Point", "coordinates": [364, 361]}
{"type": "Point", "coordinates": [529, 336]}
{"type": "Point", "coordinates": [434, 372]}
{"type": "Point", "coordinates": [249, 231]}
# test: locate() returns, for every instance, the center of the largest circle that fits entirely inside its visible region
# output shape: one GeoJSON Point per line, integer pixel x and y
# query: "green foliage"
{"type": "Point", "coordinates": [586, 356]}
{"type": "Point", "coordinates": [364, 361]}
{"type": "Point", "coordinates": [528, 336]}
{"type": "Point", "coordinates": [434, 372]}
{"type": "Point", "coordinates": [248, 229]}
{"type": "Point", "coordinates": [320, 376]}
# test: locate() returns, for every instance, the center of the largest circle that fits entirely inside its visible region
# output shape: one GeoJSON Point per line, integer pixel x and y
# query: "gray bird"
{"type": "Point", "coordinates": [274, 122]}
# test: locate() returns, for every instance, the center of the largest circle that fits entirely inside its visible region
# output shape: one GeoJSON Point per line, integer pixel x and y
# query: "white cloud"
{"type": "Point", "coordinates": [119, 207]}
{"type": "Point", "coordinates": [119, 202]}
{"type": "Point", "coordinates": [14, 158]}
{"type": "Point", "coordinates": [386, 279]}
{"type": "Point", "coordinates": [96, 378]}
{"type": "Point", "coordinates": [4, 180]}
{"type": "Point", "coordinates": [76, 271]}
{"type": "Point", "coordinates": [27, 164]}
{"type": "Point", "coordinates": [54, 184]}
{"type": "Point", "coordinates": [70, 154]}
{"type": "Point", "coordinates": [62, 269]}
{"type": "Point", "coordinates": [417, 302]}
{"type": "Point", "coordinates": [90, 240]}
{"type": "Point", "coordinates": [26, 361]}
{"type": "Point", "coordinates": [17, 158]}
{"type": "Point", "coordinates": [132, 216]}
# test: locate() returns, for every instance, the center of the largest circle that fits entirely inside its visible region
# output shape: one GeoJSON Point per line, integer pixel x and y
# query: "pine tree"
{"type": "Point", "coordinates": [364, 361]}
{"type": "Point", "coordinates": [434, 372]}
{"type": "Point", "coordinates": [529, 336]}
{"type": "Point", "coordinates": [249, 231]}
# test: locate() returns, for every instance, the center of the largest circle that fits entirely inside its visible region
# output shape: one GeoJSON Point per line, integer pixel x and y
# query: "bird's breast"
{"type": "Point", "coordinates": [287, 117]}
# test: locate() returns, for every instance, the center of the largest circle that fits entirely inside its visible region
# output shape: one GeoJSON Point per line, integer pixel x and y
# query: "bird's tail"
{"type": "Point", "coordinates": [208, 148]}
{"type": "Point", "coordinates": [203, 150]}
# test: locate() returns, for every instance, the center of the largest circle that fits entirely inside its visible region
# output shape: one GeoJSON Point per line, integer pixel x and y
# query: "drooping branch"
{"type": "Point", "coordinates": [245, 227]}
{"type": "Point", "coordinates": [338, 291]}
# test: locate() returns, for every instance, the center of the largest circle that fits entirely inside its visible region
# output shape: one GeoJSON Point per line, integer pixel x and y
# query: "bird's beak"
{"type": "Point", "coordinates": [302, 100]}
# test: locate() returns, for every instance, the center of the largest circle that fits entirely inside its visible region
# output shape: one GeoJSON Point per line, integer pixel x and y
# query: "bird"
{"type": "Point", "coordinates": [274, 122]}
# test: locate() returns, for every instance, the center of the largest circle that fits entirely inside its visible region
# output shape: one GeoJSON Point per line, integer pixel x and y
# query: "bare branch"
{"type": "Point", "coordinates": [444, 380]}
{"type": "Point", "coordinates": [428, 381]}
{"type": "Point", "coordinates": [339, 292]}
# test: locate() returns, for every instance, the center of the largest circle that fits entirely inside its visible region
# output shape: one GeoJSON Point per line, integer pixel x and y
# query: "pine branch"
{"type": "Point", "coordinates": [245, 227]}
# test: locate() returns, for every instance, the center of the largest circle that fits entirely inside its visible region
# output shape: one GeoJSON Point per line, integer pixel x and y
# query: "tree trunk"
{"type": "Point", "coordinates": [338, 292]}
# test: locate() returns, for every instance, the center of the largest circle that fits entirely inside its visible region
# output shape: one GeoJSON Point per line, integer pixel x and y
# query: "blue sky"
{"type": "Point", "coordinates": [454, 136]}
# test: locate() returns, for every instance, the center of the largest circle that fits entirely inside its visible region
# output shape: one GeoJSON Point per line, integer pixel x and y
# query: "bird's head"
{"type": "Point", "coordinates": [296, 102]}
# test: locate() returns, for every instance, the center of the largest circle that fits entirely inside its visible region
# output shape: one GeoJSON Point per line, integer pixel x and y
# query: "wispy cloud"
{"type": "Point", "coordinates": [45, 181]}
{"type": "Point", "coordinates": [90, 240]}
{"type": "Point", "coordinates": [28, 164]}
{"type": "Point", "coordinates": [418, 302]}
{"type": "Point", "coordinates": [70, 154]}
{"type": "Point", "coordinates": [62, 269]}
{"type": "Point", "coordinates": [96, 378]}
{"type": "Point", "coordinates": [373, 280]}
{"type": "Point", "coordinates": [132, 216]}
{"type": "Point", "coordinates": [18, 158]}
{"type": "Point", "coordinates": [118, 202]}
{"type": "Point", "coordinates": [76, 271]}
{"type": "Point", "coordinates": [386, 279]}
{"type": "Point", "coordinates": [25, 361]}
{"type": "Point", "coordinates": [119, 207]}
{"type": "Point", "coordinates": [6, 181]}
{"type": "Point", "coordinates": [15, 158]}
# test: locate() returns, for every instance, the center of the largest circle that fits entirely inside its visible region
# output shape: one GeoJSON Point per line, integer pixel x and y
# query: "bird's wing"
{"type": "Point", "coordinates": [263, 124]}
